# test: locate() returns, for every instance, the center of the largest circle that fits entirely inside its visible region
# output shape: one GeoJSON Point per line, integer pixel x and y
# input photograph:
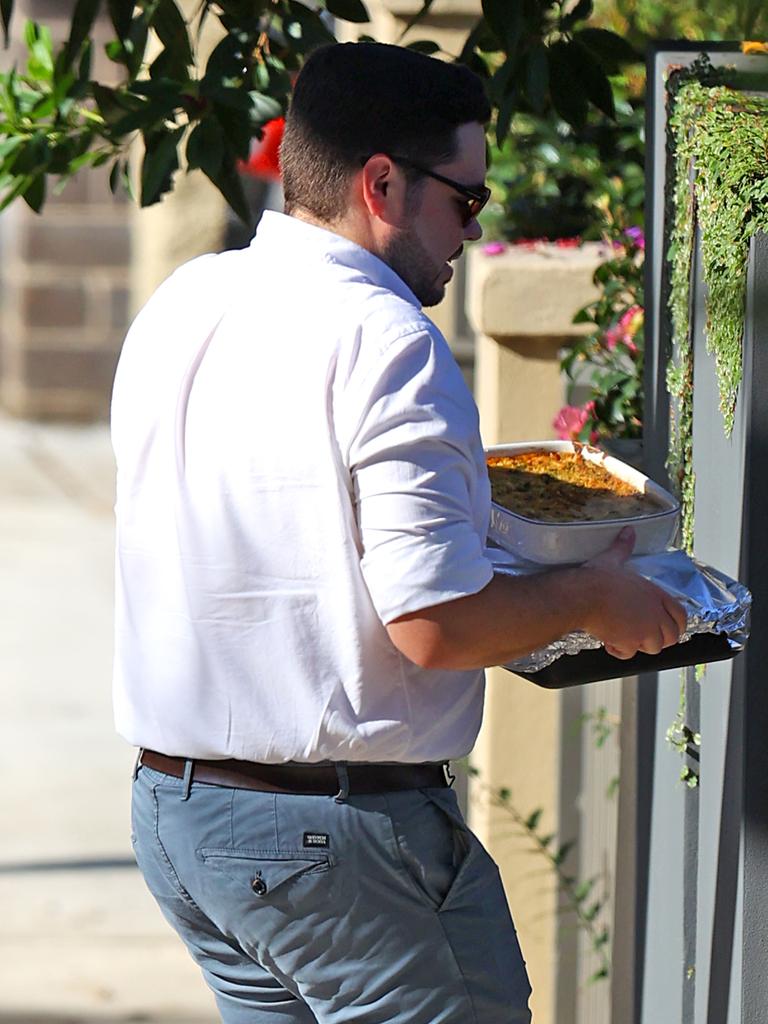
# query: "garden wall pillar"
{"type": "Point", "coordinates": [521, 302]}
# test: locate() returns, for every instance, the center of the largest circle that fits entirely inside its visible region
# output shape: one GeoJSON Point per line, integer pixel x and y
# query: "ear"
{"type": "Point", "coordinates": [383, 188]}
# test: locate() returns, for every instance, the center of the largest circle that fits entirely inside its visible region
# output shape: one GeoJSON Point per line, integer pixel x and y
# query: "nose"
{"type": "Point", "coordinates": [472, 230]}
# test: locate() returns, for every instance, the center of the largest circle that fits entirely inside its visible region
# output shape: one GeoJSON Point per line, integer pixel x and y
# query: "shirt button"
{"type": "Point", "coordinates": [259, 886]}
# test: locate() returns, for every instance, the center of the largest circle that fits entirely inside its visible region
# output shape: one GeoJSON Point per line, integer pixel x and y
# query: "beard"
{"type": "Point", "coordinates": [410, 261]}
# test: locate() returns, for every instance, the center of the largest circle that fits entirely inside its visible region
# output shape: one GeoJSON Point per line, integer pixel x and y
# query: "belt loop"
{"type": "Point", "coordinates": [189, 765]}
{"type": "Point", "coordinates": [343, 777]}
{"type": "Point", "coordinates": [137, 764]}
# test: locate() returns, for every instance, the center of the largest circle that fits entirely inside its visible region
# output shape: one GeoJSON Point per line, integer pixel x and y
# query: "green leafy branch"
{"type": "Point", "coordinates": [688, 744]}
{"type": "Point", "coordinates": [56, 119]}
{"type": "Point", "coordinates": [682, 738]}
{"type": "Point", "coordinates": [190, 113]}
{"type": "Point", "coordinates": [550, 180]}
{"type": "Point", "coordinates": [603, 726]}
{"type": "Point", "coordinates": [610, 358]}
{"type": "Point", "coordinates": [45, 126]}
{"type": "Point", "coordinates": [540, 57]}
{"type": "Point", "coordinates": [578, 894]}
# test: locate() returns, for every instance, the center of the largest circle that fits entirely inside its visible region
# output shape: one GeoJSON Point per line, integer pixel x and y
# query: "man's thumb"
{"type": "Point", "coordinates": [616, 555]}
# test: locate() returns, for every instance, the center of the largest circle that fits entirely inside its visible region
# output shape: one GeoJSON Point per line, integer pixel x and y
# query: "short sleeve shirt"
{"type": "Point", "coordinates": [299, 463]}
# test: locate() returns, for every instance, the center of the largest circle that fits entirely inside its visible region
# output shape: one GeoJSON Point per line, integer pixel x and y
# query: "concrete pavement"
{"type": "Point", "coordinates": [81, 941]}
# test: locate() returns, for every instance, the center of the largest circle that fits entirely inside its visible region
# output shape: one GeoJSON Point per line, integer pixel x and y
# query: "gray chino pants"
{"type": "Point", "coordinates": [381, 909]}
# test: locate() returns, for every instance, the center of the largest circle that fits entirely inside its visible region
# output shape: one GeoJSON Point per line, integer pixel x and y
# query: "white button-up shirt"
{"type": "Point", "coordinates": [299, 463]}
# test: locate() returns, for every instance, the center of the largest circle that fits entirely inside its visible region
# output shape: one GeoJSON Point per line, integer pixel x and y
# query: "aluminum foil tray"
{"type": "Point", "coordinates": [717, 627]}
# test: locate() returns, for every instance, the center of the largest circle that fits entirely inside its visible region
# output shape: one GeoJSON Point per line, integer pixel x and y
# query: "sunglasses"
{"type": "Point", "coordinates": [476, 196]}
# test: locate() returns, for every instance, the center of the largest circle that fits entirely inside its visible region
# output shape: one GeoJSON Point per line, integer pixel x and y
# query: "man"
{"type": "Point", "coordinates": [304, 605]}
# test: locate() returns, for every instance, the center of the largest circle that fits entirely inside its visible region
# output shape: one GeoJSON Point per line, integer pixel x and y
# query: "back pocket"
{"type": "Point", "coordinates": [264, 872]}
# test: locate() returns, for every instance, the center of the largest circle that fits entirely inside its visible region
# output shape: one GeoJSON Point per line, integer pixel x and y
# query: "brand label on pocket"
{"type": "Point", "coordinates": [317, 839]}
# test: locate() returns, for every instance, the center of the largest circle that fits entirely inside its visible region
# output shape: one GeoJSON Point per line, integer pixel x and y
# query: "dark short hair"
{"type": "Point", "coordinates": [352, 100]}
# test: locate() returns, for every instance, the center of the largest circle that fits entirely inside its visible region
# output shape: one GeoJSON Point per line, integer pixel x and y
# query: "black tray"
{"type": "Point", "coordinates": [593, 666]}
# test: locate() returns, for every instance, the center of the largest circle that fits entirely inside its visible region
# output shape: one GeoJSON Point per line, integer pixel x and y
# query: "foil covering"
{"type": "Point", "coordinates": [714, 602]}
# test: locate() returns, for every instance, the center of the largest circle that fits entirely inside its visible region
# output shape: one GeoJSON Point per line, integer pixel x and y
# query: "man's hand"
{"type": "Point", "coordinates": [630, 614]}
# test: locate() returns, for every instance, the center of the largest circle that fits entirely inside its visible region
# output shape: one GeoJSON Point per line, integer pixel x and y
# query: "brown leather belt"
{"type": "Point", "coordinates": [309, 779]}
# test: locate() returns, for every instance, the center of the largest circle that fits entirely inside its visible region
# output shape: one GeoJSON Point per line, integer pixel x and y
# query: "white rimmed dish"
{"type": "Point", "coordinates": [569, 543]}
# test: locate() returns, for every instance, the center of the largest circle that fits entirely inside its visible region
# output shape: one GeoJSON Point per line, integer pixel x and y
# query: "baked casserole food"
{"type": "Point", "coordinates": [563, 486]}
{"type": "Point", "coordinates": [563, 502]}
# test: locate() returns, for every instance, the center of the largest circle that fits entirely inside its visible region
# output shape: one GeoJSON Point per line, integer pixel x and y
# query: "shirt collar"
{"type": "Point", "coordinates": [279, 229]}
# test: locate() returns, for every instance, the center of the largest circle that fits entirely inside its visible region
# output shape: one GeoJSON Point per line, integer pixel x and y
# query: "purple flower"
{"type": "Point", "coordinates": [637, 237]}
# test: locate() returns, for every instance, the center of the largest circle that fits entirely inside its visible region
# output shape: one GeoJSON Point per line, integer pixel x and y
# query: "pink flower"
{"type": "Point", "coordinates": [612, 337]}
{"type": "Point", "coordinates": [571, 419]}
{"type": "Point", "coordinates": [631, 322]}
{"type": "Point", "coordinates": [637, 237]}
{"type": "Point", "coordinates": [494, 248]}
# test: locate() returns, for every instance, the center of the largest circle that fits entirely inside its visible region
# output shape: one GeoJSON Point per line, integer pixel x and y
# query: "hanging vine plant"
{"type": "Point", "coordinates": [719, 140]}
{"type": "Point", "coordinates": [717, 175]}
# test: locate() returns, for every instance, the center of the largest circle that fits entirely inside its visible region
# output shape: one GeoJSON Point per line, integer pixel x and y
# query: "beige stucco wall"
{"type": "Point", "coordinates": [188, 222]}
{"type": "Point", "coordinates": [521, 303]}
{"type": "Point", "coordinates": [518, 750]}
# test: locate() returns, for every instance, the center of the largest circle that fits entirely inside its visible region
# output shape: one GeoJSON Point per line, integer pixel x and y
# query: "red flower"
{"type": "Point", "coordinates": [263, 161]}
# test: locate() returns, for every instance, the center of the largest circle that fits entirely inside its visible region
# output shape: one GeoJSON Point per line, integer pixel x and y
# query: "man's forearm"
{"type": "Point", "coordinates": [513, 616]}
{"type": "Point", "coordinates": [510, 617]}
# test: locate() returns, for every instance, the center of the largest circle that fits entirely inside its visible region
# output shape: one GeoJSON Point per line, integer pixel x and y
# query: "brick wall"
{"type": "Point", "coordinates": [64, 280]}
